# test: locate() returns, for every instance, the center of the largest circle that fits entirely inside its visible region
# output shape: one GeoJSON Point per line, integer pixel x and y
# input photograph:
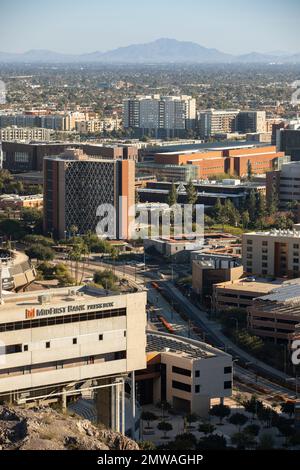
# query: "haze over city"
{"type": "Point", "coordinates": [234, 26]}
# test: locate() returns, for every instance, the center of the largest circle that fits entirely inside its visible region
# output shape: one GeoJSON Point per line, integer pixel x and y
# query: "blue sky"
{"type": "Point", "coordinates": [77, 26]}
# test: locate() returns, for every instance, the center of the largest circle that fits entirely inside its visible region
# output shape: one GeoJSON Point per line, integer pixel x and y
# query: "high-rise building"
{"type": "Point", "coordinates": [286, 184]}
{"type": "Point", "coordinates": [213, 121]}
{"type": "Point", "coordinates": [160, 116]}
{"type": "Point", "coordinates": [288, 141]}
{"type": "Point", "coordinates": [75, 185]}
{"type": "Point", "coordinates": [251, 121]}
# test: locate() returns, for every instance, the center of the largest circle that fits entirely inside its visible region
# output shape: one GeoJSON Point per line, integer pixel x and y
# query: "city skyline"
{"type": "Point", "coordinates": [105, 27]}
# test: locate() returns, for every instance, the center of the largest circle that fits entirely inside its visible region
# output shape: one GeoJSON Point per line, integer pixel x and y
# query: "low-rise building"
{"type": "Point", "coordinates": [277, 314]}
{"type": "Point", "coordinates": [274, 253]}
{"type": "Point", "coordinates": [186, 373]}
{"type": "Point", "coordinates": [240, 293]}
{"type": "Point", "coordinates": [14, 201]}
{"type": "Point", "coordinates": [209, 269]}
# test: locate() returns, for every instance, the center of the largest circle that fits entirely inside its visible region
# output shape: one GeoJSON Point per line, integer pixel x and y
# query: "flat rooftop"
{"type": "Point", "coordinates": [180, 346]}
{"type": "Point", "coordinates": [55, 297]}
{"type": "Point", "coordinates": [261, 285]}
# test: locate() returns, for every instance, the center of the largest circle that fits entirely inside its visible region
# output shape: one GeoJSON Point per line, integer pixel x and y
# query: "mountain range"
{"type": "Point", "coordinates": [157, 52]}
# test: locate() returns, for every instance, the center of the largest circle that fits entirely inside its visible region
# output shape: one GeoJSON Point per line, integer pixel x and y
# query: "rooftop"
{"type": "Point", "coordinates": [260, 285]}
{"type": "Point", "coordinates": [180, 346]}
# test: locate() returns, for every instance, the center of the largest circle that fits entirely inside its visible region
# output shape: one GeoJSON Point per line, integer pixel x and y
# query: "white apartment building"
{"type": "Point", "coordinates": [25, 134]}
{"type": "Point", "coordinates": [53, 342]}
{"type": "Point", "coordinates": [160, 112]}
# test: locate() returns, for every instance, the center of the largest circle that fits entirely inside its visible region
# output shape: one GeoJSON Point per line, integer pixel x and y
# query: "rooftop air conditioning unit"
{"type": "Point", "coordinates": [44, 299]}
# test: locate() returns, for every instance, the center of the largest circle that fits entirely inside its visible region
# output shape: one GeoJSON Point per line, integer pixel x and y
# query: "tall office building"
{"type": "Point", "coordinates": [75, 185]}
{"type": "Point", "coordinates": [160, 115]}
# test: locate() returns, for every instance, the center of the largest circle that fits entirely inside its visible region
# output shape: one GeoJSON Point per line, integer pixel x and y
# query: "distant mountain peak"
{"type": "Point", "coordinates": [161, 50]}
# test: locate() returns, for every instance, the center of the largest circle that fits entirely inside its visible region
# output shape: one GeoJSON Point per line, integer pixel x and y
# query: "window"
{"type": "Point", "coordinates": [227, 385]}
{"type": "Point", "coordinates": [296, 260]}
{"type": "Point", "coordinates": [249, 242]}
{"type": "Point", "coordinates": [197, 389]}
{"type": "Point", "coordinates": [74, 340]}
{"type": "Point", "coordinates": [25, 347]}
{"type": "Point", "coordinates": [264, 243]}
{"type": "Point", "coordinates": [249, 249]}
{"type": "Point", "coordinates": [100, 337]}
{"type": "Point", "coordinates": [264, 265]}
{"type": "Point", "coordinates": [125, 334]}
{"type": "Point", "coordinates": [48, 345]}
{"type": "Point", "coordinates": [181, 386]}
{"type": "Point", "coordinates": [296, 247]}
{"type": "Point", "coordinates": [228, 370]}
{"type": "Point", "coordinates": [197, 373]}
{"type": "Point", "coordinates": [180, 371]}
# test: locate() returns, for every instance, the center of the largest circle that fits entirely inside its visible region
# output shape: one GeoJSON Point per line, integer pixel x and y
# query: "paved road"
{"type": "Point", "coordinates": [199, 317]}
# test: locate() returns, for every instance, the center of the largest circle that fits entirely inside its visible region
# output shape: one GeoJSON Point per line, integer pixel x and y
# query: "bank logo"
{"type": "Point", "coordinates": [30, 313]}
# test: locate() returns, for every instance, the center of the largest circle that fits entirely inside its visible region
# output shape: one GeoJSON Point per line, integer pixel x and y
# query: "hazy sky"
{"type": "Point", "coordinates": [77, 26]}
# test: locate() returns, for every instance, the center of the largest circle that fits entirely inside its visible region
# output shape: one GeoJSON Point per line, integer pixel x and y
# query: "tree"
{"type": "Point", "coordinates": [206, 428]}
{"type": "Point", "coordinates": [261, 205]}
{"type": "Point", "coordinates": [249, 170]}
{"type": "Point", "coordinates": [242, 440]}
{"type": "Point", "coordinates": [172, 196]}
{"type": "Point", "coordinates": [185, 441]}
{"type": "Point", "coordinates": [273, 201]}
{"type": "Point", "coordinates": [288, 407]}
{"type": "Point", "coordinates": [62, 274]}
{"type": "Point", "coordinates": [40, 252]}
{"type": "Point", "coordinates": [191, 193]}
{"type": "Point", "coordinates": [31, 216]}
{"type": "Point", "coordinates": [252, 205]}
{"type": "Point", "coordinates": [266, 442]}
{"type": "Point", "coordinates": [39, 239]}
{"type": "Point", "coordinates": [191, 418]}
{"type": "Point", "coordinates": [105, 279]}
{"type": "Point", "coordinates": [12, 228]}
{"type": "Point", "coordinates": [212, 442]}
{"type": "Point", "coordinates": [217, 210]}
{"type": "Point", "coordinates": [148, 416]}
{"type": "Point", "coordinates": [252, 429]}
{"type": "Point", "coordinates": [238, 419]}
{"type": "Point", "coordinates": [165, 427]}
{"type": "Point", "coordinates": [221, 411]}
{"type": "Point", "coordinates": [245, 219]}
{"type": "Point", "coordinates": [253, 405]}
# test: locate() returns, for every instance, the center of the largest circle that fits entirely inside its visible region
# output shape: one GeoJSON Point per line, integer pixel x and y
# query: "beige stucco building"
{"type": "Point", "coordinates": [274, 253]}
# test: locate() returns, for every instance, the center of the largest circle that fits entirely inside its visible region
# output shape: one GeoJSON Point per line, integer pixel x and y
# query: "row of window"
{"type": "Point", "coordinates": [18, 348]}
{"type": "Point", "coordinates": [62, 319]}
{"type": "Point", "coordinates": [55, 365]}
{"type": "Point", "coordinates": [188, 373]}
{"type": "Point", "coordinates": [188, 388]}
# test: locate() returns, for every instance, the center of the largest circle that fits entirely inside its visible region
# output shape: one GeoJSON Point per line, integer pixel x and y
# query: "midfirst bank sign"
{"type": "Point", "coordinates": [44, 312]}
